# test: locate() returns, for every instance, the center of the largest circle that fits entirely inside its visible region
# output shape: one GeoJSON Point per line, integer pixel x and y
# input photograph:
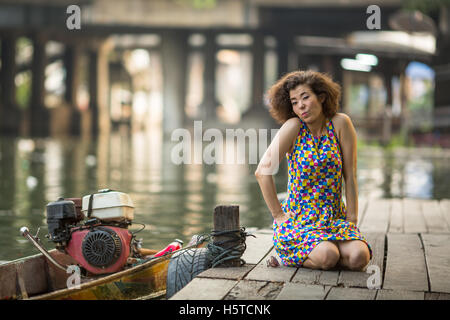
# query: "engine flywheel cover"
{"type": "Point", "coordinates": [101, 247]}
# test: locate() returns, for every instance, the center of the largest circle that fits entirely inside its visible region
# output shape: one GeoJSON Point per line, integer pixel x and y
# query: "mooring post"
{"type": "Point", "coordinates": [226, 218]}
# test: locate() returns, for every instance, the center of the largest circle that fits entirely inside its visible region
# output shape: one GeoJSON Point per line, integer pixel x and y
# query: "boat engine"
{"type": "Point", "coordinates": [100, 249]}
{"type": "Point", "coordinates": [98, 246]}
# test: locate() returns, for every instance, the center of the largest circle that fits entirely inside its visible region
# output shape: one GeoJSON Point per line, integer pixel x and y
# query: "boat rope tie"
{"type": "Point", "coordinates": [219, 253]}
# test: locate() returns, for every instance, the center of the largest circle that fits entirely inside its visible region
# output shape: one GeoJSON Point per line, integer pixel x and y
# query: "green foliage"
{"type": "Point", "coordinates": [425, 6]}
{"type": "Point", "coordinates": [23, 90]}
{"type": "Point", "coordinates": [198, 4]}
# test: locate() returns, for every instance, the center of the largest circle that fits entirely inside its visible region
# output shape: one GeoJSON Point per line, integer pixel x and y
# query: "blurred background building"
{"type": "Point", "coordinates": [93, 108]}
{"type": "Point", "coordinates": [141, 63]}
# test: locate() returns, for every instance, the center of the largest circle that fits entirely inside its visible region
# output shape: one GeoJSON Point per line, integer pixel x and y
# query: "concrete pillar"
{"type": "Point", "coordinates": [209, 103]}
{"type": "Point", "coordinates": [99, 88]}
{"type": "Point", "coordinates": [258, 52]}
{"type": "Point", "coordinates": [72, 67]}
{"type": "Point", "coordinates": [174, 48]}
{"type": "Point", "coordinates": [283, 54]}
{"type": "Point", "coordinates": [39, 114]}
{"type": "Point", "coordinates": [441, 65]}
{"type": "Point", "coordinates": [346, 91]}
{"type": "Point", "coordinates": [9, 113]}
{"type": "Point", "coordinates": [387, 73]}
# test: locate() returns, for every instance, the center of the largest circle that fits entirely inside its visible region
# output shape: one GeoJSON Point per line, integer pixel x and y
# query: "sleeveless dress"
{"type": "Point", "coordinates": [314, 197]}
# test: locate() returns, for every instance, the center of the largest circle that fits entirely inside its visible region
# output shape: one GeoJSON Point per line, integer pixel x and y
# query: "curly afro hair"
{"type": "Point", "coordinates": [278, 98]}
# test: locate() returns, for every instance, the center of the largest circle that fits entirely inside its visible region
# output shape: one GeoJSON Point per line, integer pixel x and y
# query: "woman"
{"type": "Point", "coordinates": [313, 227]}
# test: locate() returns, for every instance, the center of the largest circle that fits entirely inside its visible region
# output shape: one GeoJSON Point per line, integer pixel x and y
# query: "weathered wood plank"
{"type": "Point", "coordinates": [400, 295]}
{"type": "Point", "coordinates": [376, 218]}
{"type": "Point", "coordinates": [396, 224]}
{"type": "Point", "coordinates": [414, 220]}
{"type": "Point", "coordinates": [204, 289]}
{"type": "Point", "coordinates": [434, 220]}
{"type": "Point", "coordinates": [445, 210]}
{"type": "Point", "coordinates": [257, 247]}
{"type": "Point", "coordinates": [233, 273]}
{"type": "Point", "coordinates": [315, 277]}
{"type": "Point", "coordinates": [436, 296]}
{"type": "Point", "coordinates": [437, 255]}
{"type": "Point", "coordinates": [405, 264]}
{"type": "Point", "coordinates": [362, 206]}
{"type": "Point", "coordinates": [359, 279]}
{"type": "Point", "coordinates": [264, 273]}
{"type": "Point", "coordinates": [297, 291]}
{"type": "Point", "coordinates": [254, 290]}
{"type": "Point", "coordinates": [337, 293]}
{"type": "Point", "coordinates": [8, 280]}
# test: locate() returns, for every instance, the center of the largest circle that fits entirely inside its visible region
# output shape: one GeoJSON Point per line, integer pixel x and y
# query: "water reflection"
{"type": "Point", "coordinates": [173, 201]}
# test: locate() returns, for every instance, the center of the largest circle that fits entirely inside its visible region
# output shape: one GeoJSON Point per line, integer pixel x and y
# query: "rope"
{"type": "Point", "coordinates": [218, 255]}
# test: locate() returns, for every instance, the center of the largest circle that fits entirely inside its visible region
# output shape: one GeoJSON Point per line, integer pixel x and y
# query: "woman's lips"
{"type": "Point", "coordinates": [304, 114]}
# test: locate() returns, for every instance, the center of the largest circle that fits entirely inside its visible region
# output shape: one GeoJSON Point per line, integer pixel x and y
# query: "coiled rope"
{"type": "Point", "coordinates": [217, 254]}
{"type": "Point", "coordinates": [217, 251]}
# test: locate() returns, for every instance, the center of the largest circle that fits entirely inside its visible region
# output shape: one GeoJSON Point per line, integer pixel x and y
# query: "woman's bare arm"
{"type": "Point", "coordinates": [268, 166]}
{"type": "Point", "coordinates": [348, 146]}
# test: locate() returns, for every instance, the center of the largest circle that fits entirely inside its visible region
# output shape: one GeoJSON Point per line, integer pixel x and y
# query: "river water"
{"type": "Point", "coordinates": [174, 201]}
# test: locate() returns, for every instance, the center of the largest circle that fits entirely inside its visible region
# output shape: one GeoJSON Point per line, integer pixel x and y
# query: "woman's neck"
{"type": "Point", "coordinates": [317, 127]}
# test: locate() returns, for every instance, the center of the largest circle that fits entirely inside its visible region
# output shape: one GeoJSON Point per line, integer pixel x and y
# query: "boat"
{"type": "Point", "coordinates": [93, 259]}
{"type": "Point", "coordinates": [36, 278]}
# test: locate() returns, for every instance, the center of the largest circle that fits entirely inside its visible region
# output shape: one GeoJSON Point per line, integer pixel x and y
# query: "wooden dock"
{"type": "Point", "coordinates": [410, 239]}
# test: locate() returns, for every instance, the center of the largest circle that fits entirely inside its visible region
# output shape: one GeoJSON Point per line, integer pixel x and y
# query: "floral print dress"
{"type": "Point", "coordinates": [314, 197]}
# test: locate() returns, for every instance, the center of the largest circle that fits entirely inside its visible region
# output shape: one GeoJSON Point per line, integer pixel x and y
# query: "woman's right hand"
{"type": "Point", "coordinates": [282, 217]}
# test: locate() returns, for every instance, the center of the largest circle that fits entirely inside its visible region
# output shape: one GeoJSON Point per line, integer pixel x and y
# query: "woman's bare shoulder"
{"type": "Point", "coordinates": [292, 124]}
{"type": "Point", "coordinates": [289, 132]}
{"type": "Point", "coordinates": [341, 121]}
{"type": "Point", "coordinates": [291, 127]}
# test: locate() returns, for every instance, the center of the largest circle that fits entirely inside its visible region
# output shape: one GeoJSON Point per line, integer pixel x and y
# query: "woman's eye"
{"type": "Point", "coordinates": [305, 97]}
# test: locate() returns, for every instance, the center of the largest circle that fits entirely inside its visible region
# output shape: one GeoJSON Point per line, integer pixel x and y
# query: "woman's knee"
{"type": "Point", "coordinates": [327, 256]}
{"type": "Point", "coordinates": [358, 259]}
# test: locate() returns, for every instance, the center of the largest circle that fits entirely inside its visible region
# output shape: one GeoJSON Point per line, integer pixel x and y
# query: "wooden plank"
{"type": "Point", "coordinates": [405, 264]}
{"type": "Point", "coordinates": [400, 295]}
{"type": "Point", "coordinates": [437, 255]}
{"type": "Point", "coordinates": [359, 279]}
{"type": "Point", "coordinates": [234, 273]}
{"type": "Point", "coordinates": [445, 210]}
{"type": "Point", "coordinates": [396, 223]}
{"type": "Point", "coordinates": [257, 247]}
{"type": "Point", "coordinates": [362, 206]}
{"type": "Point", "coordinates": [315, 277]}
{"type": "Point", "coordinates": [204, 289]}
{"type": "Point", "coordinates": [297, 291]}
{"type": "Point", "coordinates": [337, 293]}
{"type": "Point", "coordinates": [8, 279]}
{"type": "Point", "coordinates": [254, 290]}
{"type": "Point", "coordinates": [434, 220]}
{"type": "Point", "coordinates": [414, 220]}
{"type": "Point", "coordinates": [436, 296]}
{"type": "Point", "coordinates": [376, 218]}
{"type": "Point", "coordinates": [264, 273]}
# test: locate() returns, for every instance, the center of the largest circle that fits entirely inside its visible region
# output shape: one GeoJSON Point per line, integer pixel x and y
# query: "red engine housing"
{"type": "Point", "coordinates": [78, 241]}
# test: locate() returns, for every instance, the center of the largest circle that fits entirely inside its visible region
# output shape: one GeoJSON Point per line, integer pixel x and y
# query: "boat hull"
{"type": "Point", "coordinates": [35, 278]}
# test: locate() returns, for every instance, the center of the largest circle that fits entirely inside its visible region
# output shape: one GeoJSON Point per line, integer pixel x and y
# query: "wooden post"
{"type": "Point", "coordinates": [227, 218]}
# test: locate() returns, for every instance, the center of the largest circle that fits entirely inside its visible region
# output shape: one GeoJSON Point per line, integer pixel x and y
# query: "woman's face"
{"type": "Point", "coordinates": [306, 104]}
